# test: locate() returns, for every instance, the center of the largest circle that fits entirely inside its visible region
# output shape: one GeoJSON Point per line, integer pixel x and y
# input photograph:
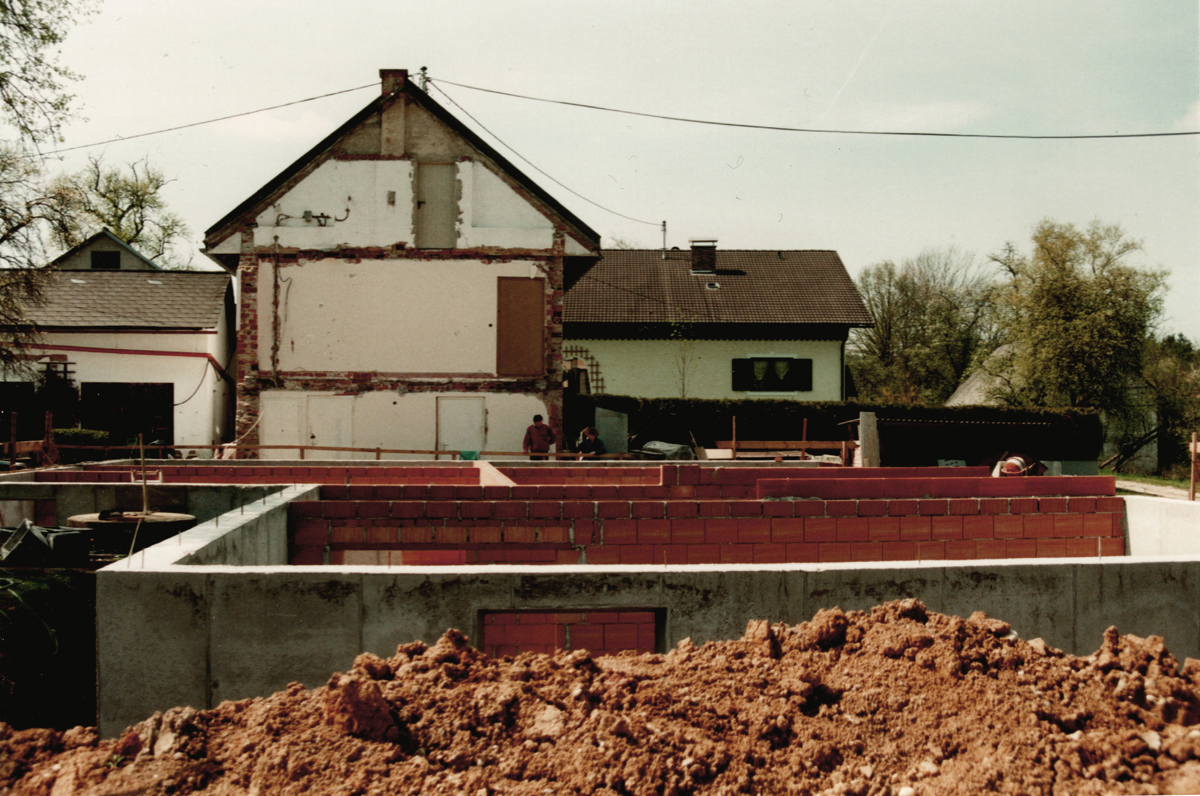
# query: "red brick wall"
{"type": "Point", "coordinates": [676, 514]}
{"type": "Point", "coordinates": [660, 525]}
{"type": "Point", "coordinates": [600, 632]}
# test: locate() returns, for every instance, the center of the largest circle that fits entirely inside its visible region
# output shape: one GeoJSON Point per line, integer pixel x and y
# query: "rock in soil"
{"type": "Point", "coordinates": [893, 701]}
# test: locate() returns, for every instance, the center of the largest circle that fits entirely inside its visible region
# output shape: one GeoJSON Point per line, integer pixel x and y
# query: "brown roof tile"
{"type": "Point", "coordinates": [639, 286]}
{"type": "Point", "coordinates": [133, 299]}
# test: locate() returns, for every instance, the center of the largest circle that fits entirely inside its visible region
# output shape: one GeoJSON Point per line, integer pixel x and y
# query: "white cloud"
{"type": "Point", "coordinates": [1191, 119]}
{"type": "Point", "coordinates": [926, 117]}
{"type": "Point", "coordinates": [280, 126]}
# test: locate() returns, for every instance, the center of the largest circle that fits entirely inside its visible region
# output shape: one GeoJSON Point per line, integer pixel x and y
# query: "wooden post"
{"type": "Point", "coordinates": [1192, 456]}
{"type": "Point", "coordinates": [734, 435]}
{"type": "Point", "coordinates": [868, 439]}
{"type": "Point", "coordinates": [47, 454]}
{"type": "Point", "coordinates": [12, 446]}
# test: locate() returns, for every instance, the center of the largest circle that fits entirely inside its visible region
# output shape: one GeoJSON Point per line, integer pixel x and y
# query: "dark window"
{"type": "Point", "coordinates": [126, 410]}
{"type": "Point", "coordinates": [106, 261]}
{"type": "Point", "coordinates": [772, 374]}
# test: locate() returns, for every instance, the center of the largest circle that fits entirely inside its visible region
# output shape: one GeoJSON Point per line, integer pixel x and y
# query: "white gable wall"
{"type": "Point", "coordinates": [491, 214]}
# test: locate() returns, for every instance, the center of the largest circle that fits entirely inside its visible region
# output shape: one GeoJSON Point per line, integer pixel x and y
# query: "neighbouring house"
{"type": "Point", "coordinates": [401, 288]}
{"type": "Point", "coordinates": [129, 348]}
{"type": "Point", "coordinates": [709, 323]}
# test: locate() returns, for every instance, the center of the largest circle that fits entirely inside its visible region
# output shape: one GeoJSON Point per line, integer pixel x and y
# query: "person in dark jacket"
{"type": "Point", "coordinates": [590, 445]}
{"type": "Point", "coordinates": [538, 439]}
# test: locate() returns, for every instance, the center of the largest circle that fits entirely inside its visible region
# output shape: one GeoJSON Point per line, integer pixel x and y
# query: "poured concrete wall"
{"type": "Point", "coordinates": [17, 499]}
{"type": "Point", "coordinates": [205, 627]}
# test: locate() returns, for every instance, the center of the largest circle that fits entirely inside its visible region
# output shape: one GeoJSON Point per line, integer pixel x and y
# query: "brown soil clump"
{"type": "Point", "coordinates": [896, 701]}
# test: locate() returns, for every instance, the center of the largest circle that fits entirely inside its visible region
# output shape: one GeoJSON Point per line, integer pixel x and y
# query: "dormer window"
{"type": "Point", "coordinates": [106, 261]}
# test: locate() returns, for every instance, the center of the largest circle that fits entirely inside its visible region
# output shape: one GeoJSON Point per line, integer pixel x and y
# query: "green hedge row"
{"type": "Point", "coordinates": [909, 435]}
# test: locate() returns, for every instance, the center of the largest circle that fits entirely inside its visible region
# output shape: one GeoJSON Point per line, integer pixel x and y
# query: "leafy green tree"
{"type": "Point", "coordinates": [1076, 315]}
{"type": "Point", "coordinates": [1171, 375]}
{"type": "Point", "coordinates": [128, 201]}
{"type": "Point", "coordinates": [33, 105]}
{"type": "Point", "coordinates": [932, 316]}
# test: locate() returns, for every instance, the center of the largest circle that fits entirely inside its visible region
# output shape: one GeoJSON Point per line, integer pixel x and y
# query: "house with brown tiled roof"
{"type": "Point", "coordinates": [133, 349]}
{"type": "Point", "coordinates": [712, 323]}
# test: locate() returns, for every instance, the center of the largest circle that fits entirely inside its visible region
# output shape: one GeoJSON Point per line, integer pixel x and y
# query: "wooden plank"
{"type": "Point", "coordinates": [791, 445]}
{"type": "Point", "coordinates": [520, 326]}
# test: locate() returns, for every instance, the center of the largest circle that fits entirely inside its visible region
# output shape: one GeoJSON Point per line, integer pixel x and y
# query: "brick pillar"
{"type": "Point", "coordinates": [247, 347]}
{"type": "Point", "coordinates": [554, 338]}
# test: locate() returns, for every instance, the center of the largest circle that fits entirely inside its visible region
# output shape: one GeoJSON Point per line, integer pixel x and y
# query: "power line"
{"type": "Point", "coordinates": [211, 121]}
{"type": "Point", "coordinates": [745, 125]}
{"type": "Point", "coordinates": [533, 165]}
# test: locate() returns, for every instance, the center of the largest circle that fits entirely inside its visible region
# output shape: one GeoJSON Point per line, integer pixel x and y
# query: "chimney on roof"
{"type": "Point", "coordinates": [392, 79]}
{"type": "Point", "coordinates": [704, 256]}
{"type": "Point", "coordinates": [391, 140]}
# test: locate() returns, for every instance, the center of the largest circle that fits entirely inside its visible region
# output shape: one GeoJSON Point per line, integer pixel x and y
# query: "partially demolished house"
{"type": "Point", "coordinates": [401, 288]}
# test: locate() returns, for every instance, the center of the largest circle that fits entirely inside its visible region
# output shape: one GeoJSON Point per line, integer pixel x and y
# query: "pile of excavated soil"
{"type": "Point", "coordinates": [896, 701]}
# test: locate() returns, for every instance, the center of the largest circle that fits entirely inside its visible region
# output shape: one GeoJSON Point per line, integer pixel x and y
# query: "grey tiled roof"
{"type": "Point", "coordinates": [132, 299]}
{"type": "Point", "coordinates": [754, 286]}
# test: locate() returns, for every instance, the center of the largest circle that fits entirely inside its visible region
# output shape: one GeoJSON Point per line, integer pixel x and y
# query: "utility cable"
{"type": "Point", "coordinates": [534, 166]}
{"type": "Point", "coordinates": [212, 121]}
{"type": "Point", "coordinates": [745, 125]}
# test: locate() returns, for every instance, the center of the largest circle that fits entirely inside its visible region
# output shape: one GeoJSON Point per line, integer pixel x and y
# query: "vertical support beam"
{"type": "Point", "coordinates": [1192, 458]}
{"type": "Point", "coordinates": [868, 439]}
{"type": "Point", "coordinates": [248, 405]}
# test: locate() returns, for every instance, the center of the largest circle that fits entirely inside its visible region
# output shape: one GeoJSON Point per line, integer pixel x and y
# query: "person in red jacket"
{"type": "Point", "coordinates": [538, 439]}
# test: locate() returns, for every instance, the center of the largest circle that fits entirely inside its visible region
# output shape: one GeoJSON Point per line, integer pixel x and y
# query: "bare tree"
{"type": "Point", "coordinates": [34, 105]}
{"type": "Point", "coordinates": [128, 202]}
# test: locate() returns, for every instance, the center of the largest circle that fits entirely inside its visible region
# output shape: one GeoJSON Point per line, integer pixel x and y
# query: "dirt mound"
{"type": "Point", "coordinates": [897, 701]}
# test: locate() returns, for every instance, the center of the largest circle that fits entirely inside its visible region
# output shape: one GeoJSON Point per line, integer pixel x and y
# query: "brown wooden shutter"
{"type": "Point", "coordinates": [520, 327]}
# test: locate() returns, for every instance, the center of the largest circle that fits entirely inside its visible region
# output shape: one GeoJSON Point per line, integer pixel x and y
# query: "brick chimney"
{"type": "Point", "coordinates": [392, 79]}
{"type": "Point", "coordinates": [704, 256]}
{"type": "Point", "coordinates": [391, 141]}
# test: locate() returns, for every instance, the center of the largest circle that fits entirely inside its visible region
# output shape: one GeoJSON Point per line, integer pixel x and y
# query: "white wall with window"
{"type": "Point", "coordinates": [717, 368]}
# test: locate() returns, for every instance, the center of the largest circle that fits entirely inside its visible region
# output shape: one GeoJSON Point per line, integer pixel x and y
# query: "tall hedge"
{"type": "Point", "coordinates": [909, 435]}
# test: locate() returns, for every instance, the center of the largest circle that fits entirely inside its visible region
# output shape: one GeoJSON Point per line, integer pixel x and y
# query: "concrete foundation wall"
{"type": "Point", "coordinates": [18, 500]}
{"type": "Point", "coordinates": [225, 633]}
{"type": "Point", "coordinates": [211, 616]}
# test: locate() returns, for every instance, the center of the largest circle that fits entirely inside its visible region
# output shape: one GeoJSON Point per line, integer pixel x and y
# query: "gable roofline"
{"type": "Point", "coordinates": [783, 287]}
{"type": "Point", "coordinates": [220, 230]}
{"type": "Point", "coordinates": [105, 232]}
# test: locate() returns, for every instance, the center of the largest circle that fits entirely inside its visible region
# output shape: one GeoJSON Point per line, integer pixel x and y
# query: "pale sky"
{"type": "Point", "coordinates": [1024, 67]}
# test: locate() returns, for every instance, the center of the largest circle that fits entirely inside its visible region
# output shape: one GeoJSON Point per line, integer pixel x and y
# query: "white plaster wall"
{"type": "Point", "coordinates": [491, 214]}
{"type": "Point", "coordinates": [195, 422]}
{"type": "Point", "coordinates": [361, 186]}
{"type": "Point", "coordinates": [396, 316]}
{"type": "Point", "coordinates": [392, 420]}
{"type": "Point", "coordinates": [649, 368]}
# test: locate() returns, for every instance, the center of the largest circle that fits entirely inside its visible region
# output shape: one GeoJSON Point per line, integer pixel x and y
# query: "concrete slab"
{"type": "Point", "coordinates": [1036, 598]}
{"type": "Point", "coordinates": [272, 628]}
{"type": "Point", "coordinates": [412, 605]}
{"type": "Point", "coordinates": [714, 605]}
{"type": "Point", "coordinates": [1144, 598]}
{"type": "Point", "coordinates": [152, 644]}
{"type": "Point", "coordinates": [861, 587]}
